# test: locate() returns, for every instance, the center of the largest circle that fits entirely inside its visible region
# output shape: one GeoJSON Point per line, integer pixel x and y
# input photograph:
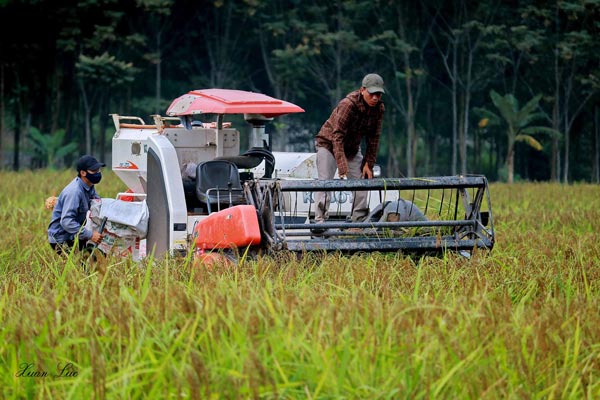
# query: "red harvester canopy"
{"type": "Point", "coordinates": [227, 101]}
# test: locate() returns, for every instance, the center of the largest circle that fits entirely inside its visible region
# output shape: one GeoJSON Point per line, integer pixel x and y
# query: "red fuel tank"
{"type": "Point", "coordinates": [233, 227]}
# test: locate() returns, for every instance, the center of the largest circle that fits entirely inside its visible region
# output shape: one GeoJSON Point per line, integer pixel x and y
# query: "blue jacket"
{"type": "Point", "coordinates": [70, 213]}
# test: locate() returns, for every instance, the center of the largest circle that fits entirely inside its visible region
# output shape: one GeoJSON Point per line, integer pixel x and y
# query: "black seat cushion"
{"type": "Point", "coordinates": [218, 182]}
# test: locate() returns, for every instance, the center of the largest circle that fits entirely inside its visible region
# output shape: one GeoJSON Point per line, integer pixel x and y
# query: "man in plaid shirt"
{"type": "Point", "coordinates": [359, 115]}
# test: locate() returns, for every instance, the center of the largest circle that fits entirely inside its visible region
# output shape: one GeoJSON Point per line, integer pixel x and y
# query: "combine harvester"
{"type": "Point", "coordinates": [203, 194]}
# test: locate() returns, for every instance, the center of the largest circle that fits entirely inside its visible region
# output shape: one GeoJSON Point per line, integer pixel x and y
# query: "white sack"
{"type": "Point", "coordinates": [122, 216]}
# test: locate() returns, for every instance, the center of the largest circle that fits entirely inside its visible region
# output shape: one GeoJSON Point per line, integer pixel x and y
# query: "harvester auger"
{"type": "Point", "coordinates": [203, 194]}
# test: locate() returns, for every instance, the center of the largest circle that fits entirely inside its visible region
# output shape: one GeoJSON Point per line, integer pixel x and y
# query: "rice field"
{"type": "Point", "coordinates": [519, 322]}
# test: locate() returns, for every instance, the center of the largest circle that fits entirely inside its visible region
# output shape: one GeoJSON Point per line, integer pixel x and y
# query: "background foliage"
{"type": "Point", "coordinates": [440, 60]}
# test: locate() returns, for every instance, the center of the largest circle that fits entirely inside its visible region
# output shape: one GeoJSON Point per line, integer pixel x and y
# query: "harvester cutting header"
{"type": "Point", "coordinates": [204, 194]}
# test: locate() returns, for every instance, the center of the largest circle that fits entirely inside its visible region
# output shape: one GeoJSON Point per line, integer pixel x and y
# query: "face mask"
{"type": "Point", "coordinates": [94, 178]}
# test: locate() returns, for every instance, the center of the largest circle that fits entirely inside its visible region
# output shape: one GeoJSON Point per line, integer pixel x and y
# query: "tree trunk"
{"type": "Point", "coordinates": [466, 108]}
{"type": "Point", "coordinates": [282, 134]}
{"type": "Point", "coordinates": [454, 109]}
{"type": "Point", "coordinates": [510, 163]}
{"type": "Point", "coordinates": [567, 140]}
{"type": "Point", "coordinates": [87, 116]}
{"type": "Point", "coordinates": [103, 115]}
{"type": "Point", "coordinates": [430, 142]}
{"type": "Point", "coordinates": [498, 153]}
{"type": "Point", "coordinates": [18, 124]}
{"type": "Point", "coordinates": [415, 142]}
{"type": "Point", "coordinates": [410, 103]}
{"type": "Point", "coordinates": [390, 155]}
{"type": "Point", "coordinates": [393, 165]}
{"type": "Point", "coordinates": [555, 174]}
{"type": "Point", "coordinates": [2, 116]}
{"type": "Point", "coordinates": [477, 151]}
{"type": "Point", "coordinates": [410, 129]}
{"type": "Point", "coordinates": [596, 168]}
{"type": "Point", "coordinates": [466, 131]}
{"type": "Point", "coordinates": [461, 137]}
{"type": "Point", "coordinates": [158, 74]}
{"type": "Point", "coordinates": [555, 125]}
{"type": "Point", "coordinates": [17, 139]}
{"type": "Point", "coordinates": [56, 107]}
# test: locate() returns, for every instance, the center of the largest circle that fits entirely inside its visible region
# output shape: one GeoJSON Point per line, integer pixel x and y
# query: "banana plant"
{"type": "Point", "coordinates": [50, 148]}
{"type": "Point", "coordinates": [517, 122]}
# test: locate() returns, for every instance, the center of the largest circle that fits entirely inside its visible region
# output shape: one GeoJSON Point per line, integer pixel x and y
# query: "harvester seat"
{"type": "Point", "coordinates": [218, 183]}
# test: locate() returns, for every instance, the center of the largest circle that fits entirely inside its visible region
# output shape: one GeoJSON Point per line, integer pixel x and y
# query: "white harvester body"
{"type": "Point", "coordinates": [158, 162]}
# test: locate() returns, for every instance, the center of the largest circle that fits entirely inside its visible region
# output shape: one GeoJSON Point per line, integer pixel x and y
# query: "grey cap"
{"type": "Point", "coordinates": [373, 83]}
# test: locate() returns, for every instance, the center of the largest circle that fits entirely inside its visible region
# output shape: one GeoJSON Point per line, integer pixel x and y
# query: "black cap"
{"type": "Point", "coordinates": [86, 163]}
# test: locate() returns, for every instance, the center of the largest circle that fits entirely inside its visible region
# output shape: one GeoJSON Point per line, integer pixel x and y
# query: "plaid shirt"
{"type": "Point", "coordinates": [349, 122]}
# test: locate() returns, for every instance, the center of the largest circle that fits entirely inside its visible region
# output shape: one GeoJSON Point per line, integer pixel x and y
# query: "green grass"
{"type": "Point", "coordinates": [520, 322]}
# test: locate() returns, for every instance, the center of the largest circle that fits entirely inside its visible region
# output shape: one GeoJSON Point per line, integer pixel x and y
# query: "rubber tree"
{"type": "Point", "coordinates": [579, 85]}
{"type": "Point", "coordinates": [404, 43]}
{"type": "Point", "coordinates": [568, 69]}
{"type": "Point", "coordinates": [155, 24]}
{"type": "Point", "coordinates": [280, 26]}
{"type": "Point", "coordinates": [221, 56]}
{"type": "Point", "coordinates": [321, 51]}
{"type": "Point", "coordinates": [97, 76]}
{"type": "Point", "coordinates": [465, 45]}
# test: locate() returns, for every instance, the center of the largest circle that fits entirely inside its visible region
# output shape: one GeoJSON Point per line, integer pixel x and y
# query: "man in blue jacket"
{"type": "Point", "coordinates": [70, 211]}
